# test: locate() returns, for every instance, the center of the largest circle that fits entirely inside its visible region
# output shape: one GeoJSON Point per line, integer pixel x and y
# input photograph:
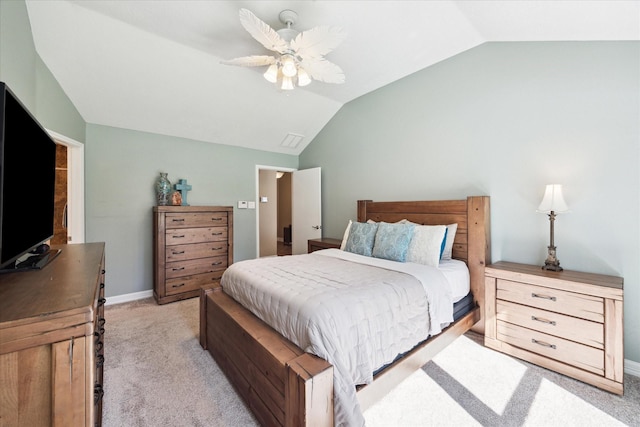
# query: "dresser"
{"type": "Point", "coordinates": [51, 341]}
{"type": "Point", "coordinates": [193, 246]}
{"type": "Point", "coordinates": [567, 321]}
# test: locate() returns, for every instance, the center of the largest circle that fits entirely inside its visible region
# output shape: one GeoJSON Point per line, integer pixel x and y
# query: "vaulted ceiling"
{"type": "Point", "coordinates": [154, 66]}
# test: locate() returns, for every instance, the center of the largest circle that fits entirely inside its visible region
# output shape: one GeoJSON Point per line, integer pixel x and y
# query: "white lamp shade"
{"type": "Point", "coordinates": [272, 73]}
{"type": "Point", "coordinates": [287, 83]}
{"type": "Point", "coordinates": [553, 200]}
{"type": "Point", "coordinates": [303, 77]}
{"type": "Point", "coordinates": [289, 67]}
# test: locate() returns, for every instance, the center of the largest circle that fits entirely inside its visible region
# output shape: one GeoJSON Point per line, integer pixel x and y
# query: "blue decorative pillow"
{"type": "Point", "coordinates": [361, 238]}
{"type": "Point", "coordinates": [392, 241]}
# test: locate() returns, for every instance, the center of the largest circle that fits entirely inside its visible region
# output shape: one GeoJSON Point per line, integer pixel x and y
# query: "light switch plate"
{"type": "Point", "coordinates": [242, 204]}
{"type": "Point", "coordinates": [252, 205]}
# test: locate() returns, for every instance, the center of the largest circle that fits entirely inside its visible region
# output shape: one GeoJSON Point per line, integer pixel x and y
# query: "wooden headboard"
{"type": "Point", "coordinates": [472, 243]}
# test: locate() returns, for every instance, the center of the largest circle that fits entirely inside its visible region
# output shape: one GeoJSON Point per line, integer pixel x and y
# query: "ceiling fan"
{"type": "Point", "coordinates": [300, 55]}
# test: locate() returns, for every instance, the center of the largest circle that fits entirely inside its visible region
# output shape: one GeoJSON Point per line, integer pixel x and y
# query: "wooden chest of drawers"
{"type": "Point", "coordinates": [193, 245]}
{"type": "Point", "coordinates": [566, 321]}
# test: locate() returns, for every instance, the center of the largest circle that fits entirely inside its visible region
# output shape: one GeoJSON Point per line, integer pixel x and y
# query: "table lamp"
{"type": "Point", "coordinates": [552, 204]}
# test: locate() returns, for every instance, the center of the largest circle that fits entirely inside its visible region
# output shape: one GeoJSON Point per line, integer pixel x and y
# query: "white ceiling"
{"type": "Point", "coordinates": [154, 66]}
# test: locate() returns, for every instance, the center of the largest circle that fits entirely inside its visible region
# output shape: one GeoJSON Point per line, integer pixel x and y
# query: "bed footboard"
{"type": "Point", "coordinates": [282, 385]}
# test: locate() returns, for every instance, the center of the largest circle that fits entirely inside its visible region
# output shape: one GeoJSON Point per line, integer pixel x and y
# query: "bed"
{"type": "Point", "coordinates": [284, 385]}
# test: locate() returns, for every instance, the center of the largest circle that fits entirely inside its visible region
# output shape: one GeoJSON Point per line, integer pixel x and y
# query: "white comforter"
{"type": "Point", "coordinates": [356, 312]}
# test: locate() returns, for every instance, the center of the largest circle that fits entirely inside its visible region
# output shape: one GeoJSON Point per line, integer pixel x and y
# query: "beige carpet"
{"type": "Point", "coordinates": [156, 374]}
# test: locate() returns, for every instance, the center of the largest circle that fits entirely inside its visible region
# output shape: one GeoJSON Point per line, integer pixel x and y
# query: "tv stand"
{"type": "Point", "coordinates": [34, 262]}
{"type": "Point", "coordinates": [52, 348]}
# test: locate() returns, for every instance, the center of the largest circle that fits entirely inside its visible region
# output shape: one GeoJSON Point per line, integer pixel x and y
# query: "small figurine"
{"type": "Point", "coordinates": [176, 198]}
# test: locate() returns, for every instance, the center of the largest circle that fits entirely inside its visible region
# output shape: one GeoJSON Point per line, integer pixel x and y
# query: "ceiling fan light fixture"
{"type": "Point", "coordinates": [292, 48]}
{"type": "Point", "coordinates": [303, 77]}
{"type": "Point", "coordinates": [272, 73]}
{"type": "Point", "coordinates": [287, 83]}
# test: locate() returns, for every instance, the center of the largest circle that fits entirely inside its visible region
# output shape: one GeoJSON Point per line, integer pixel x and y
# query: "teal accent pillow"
{"type": "Point", "coordinates": [361, 238]}
{"type": "Point", "coordinates": [444, 241]}
{"type": "Point", "coordinates": [392, 241]}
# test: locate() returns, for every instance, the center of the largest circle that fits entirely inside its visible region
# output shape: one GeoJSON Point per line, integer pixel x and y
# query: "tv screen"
{"type": "Point", "coordinates": [27, 180]}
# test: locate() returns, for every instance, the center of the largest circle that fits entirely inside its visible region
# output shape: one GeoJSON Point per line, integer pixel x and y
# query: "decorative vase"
{"type": "Point", "coordinates": [163, 190]}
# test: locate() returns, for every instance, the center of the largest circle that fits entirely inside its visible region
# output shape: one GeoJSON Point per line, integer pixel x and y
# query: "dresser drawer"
{"type": "Point", "coordinates": [560, 325]}
{"type": "Point", "coordinates": [566, 351]}
{"type": "Point", "coordinates": [195, 266]}
{"type": "Point", "coordinates": [196, 219]}
{"type": "Point", "coordinates": [569, 303]}
{"type": "Point", "coordinates": [185, 236]}
{"type": "Point", "coordinates": [190, 283]}
{"type": "Point", "coordinates": [197, 250]}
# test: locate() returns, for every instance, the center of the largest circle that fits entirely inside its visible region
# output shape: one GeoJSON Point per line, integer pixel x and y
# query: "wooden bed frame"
{"type": "Point", "coordinates": [283, 385]}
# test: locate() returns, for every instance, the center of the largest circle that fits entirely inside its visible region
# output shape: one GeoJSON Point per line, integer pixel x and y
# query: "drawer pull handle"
{"type": "Point", "coordinates": [177, 253]}
{"type": "Point", "coordinates": [178, 220]}
{"type": "Point", "coordinates": [178, 237]}
{"type": "Point", "coordinates": [178, 286]}
{"type": "Point", "coordinates": [216, 263]}
{"type": "Point", "coordinates": [216, 234]}
{"type": "Point", "coordinates": [542, 343]}
{"type": "Point", "coordinates": [216, 219]}
{"type": "Point", "coordinates": [540, 319]}
{"type": "Point", "coordinates": [178, 269]}
{"type": "Point", "coordinates": [534, 295]}
{"type": "Point", "coordinates": [217, 249]}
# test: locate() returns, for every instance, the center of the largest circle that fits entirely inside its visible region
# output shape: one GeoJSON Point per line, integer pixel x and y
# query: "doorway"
{"type": "Point", "coordinates": [74, 212]}
{"type": "Point", "coordinates": [274, 211]}
{"type": "Point", "coordinates": [306, 209]}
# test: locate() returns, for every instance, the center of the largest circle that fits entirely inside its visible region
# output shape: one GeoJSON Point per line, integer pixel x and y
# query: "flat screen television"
{"type": "Point", "coordinates": [27, 186]}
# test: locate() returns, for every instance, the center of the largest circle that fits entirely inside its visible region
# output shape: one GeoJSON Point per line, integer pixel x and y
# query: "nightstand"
{"type": "Point", "coordinates": [323, 243]}
{"type": "Point", "coordinates": [566, 321]}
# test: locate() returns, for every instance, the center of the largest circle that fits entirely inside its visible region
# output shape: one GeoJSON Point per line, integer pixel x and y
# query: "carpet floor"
{"type": "Point", "coordinates": [156, 374]}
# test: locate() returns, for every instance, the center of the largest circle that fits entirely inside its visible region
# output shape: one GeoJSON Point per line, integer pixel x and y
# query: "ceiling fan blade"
{"type": "Point", "coordinates": [317, 41]}
{"type": "Point", "coordinates": [263, 33]}
{"type": "Point", "coordinates": [251, 61]}
{"type": "Point", "coordinates": [322, 70]}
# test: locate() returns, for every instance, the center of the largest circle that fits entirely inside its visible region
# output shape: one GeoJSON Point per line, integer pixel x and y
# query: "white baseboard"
{"type": "Point", "coordinates": [631, 368]}
{"type": "Point", "coordinates": [119, 299]}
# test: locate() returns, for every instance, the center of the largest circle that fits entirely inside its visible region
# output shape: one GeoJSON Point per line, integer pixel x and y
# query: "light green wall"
{"type": "Point", "coordinates": [503, 120]}
{"type": "Point", "coordinates": [29, 78]}
{"type": "Point", "coordinates": [122, 166]}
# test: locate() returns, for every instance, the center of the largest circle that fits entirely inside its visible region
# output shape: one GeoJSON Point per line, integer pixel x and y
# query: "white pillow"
{"type": "Point", "coordinates": [448, 245]}
{"type": "Point", "coordinates": [345, 236]}
{"type": "Point", "coordinates": [426, 244]}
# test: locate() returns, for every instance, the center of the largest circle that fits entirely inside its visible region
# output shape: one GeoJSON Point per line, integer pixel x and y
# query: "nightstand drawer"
{"type": "Point", "coordinates": [197, 250]}
{"type": "Point", "coordinates": [569, 303]}
{"type": "Point", "coordinates": [195, 235]}
{"type": "Point", "coordinates": [195, 266]}
{"type": "Point", "coordinates": [571, 328]}
{"type": "Point", "coordinates": [196, 219]}
{"type": "Point", "coordinates": [569, 352]}
{"type": "Point", "coordinates": [190, 283]}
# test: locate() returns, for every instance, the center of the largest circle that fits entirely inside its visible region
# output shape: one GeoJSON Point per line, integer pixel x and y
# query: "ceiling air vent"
{"type": "Point", "coordinates": [291, 140]}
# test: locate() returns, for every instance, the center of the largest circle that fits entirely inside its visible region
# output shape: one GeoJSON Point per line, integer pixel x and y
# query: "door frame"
{"type": "Point", "coordinates": [75, 185]}
{"type": "Point", "coordinates": [257, 197]}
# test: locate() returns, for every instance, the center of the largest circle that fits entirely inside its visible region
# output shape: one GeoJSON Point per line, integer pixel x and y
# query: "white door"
{"type": "Point", "coordinates": [306, 209]}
